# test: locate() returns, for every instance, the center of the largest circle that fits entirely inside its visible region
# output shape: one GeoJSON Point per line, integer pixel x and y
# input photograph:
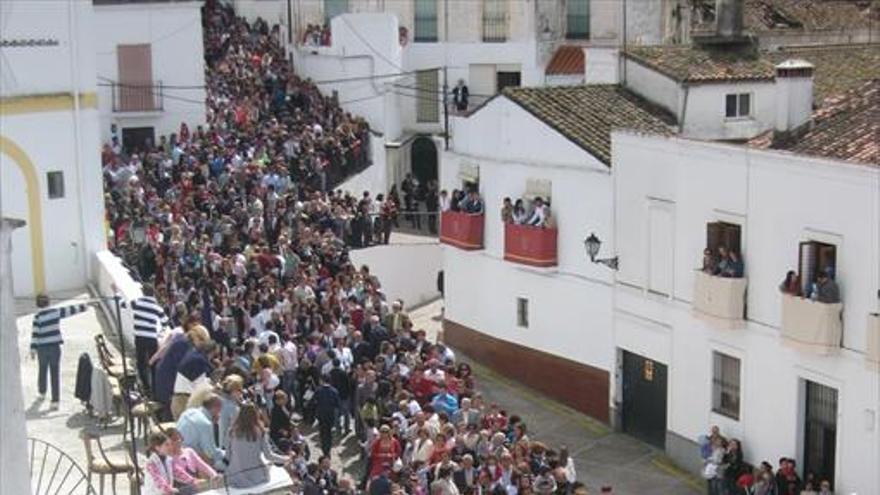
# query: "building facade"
{"type": "Point", "coordinates": [49, 143]}
{"type": "Point", "coordinates": [786, 375]}
{"type": "Point", "coordinates": [150, 69]}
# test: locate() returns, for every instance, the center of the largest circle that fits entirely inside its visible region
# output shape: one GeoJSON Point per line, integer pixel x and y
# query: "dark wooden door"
{"type": "Point", "coordinates": [136, 139]}
{"type": "Point", "coordinates": [644, 399]}
{"type": "Point", "coordinates": [820, 431]}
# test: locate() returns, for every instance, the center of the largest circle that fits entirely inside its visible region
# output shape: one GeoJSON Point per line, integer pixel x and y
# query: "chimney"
{"type": "Point", "coordinates": [729, 18]}
{"type": "Point", "coordinates": [794, 95]}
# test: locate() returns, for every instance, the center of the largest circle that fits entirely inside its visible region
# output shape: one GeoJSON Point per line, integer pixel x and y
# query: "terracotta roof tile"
{"type": "Point", "coordinates": [566, 60]}
{"type": "Point", "coordinates": [587, 114]}
{"type": "Point", "coordinates": [846, 127]}
{"type": "Point", "coordinates": [837, 68]}
{"type": "Point", "coordinates": [687, 63]}
{"type": "Point", "coordinates": [809, 15]}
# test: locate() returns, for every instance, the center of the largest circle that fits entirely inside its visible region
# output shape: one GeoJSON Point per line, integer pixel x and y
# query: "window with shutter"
{"type": "Point", "coordinates": [427, 96]}
{"type": "Point", "coordinates": [725, 385]}
{"type": "Point", "coordinates": [135, 89]}
{"type": "Point", "coordinates": [425, 21]}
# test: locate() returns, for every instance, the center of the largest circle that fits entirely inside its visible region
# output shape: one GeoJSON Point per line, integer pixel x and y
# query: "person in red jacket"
{"type": "Point", "coordinates": [386, 450]}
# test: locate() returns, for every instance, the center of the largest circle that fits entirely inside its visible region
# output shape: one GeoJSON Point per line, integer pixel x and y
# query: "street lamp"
{"type": "Point", "coordinates": [592, 245]}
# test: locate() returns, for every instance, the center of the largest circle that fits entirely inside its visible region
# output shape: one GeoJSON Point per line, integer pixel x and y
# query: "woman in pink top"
{"type": "Point", "coordinates": [188, 459]}
{"type": "Point", "coordinates": [161, 470]}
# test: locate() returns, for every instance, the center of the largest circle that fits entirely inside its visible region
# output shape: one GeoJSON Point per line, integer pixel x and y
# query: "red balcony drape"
{"type": "Point", "coordinates": [529, 245]}
{"type": "Point", "coordinates": [462, 230]}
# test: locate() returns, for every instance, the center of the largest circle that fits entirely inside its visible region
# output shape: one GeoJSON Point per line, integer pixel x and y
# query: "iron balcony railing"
{"type": "Point", "coordinates": [128, 97]}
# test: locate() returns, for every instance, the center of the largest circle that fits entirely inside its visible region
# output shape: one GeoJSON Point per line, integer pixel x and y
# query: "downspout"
{"type": "Point", "coordinates": [684, 107]}
{"type": "Point", "coordinates": [72, 32]}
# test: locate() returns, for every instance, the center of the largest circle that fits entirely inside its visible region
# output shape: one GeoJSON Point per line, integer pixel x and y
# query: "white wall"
{"type": "Point", "coordinates": [569, 305]}
{"type": "Point", "coordinates": [407, 271]}
{"type": "Point", "coordinates": [174, 31]}
{"type": "Point", "coordinates": [47, 69]}
{"type": "Point", "coordinates": [112, 279]}
{"type": "Point", "coordinates": [704, 115]}
{"type": "Point", "coordinates": [271, 11]}
{"type": "Point", "coordinates": [653, 86]}
{"type": "Point", "coordinates": [765, 193]}
{"type": "Point", "coordinates": [43, 125]}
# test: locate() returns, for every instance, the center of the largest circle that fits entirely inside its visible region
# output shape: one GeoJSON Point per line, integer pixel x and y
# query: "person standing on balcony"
{"type": "Point", "coordinates": [46, 345]}
{"type": "Point", "coordinates": [472, 204]}
{"type": "Point", "coordinates": [538, 214]}
{"type": "Point", "coordinates": [460, 95]}
{"type": "Point", "coordinates": [507, 211]}
{"type": "Point", "coordinates": [827, 290]}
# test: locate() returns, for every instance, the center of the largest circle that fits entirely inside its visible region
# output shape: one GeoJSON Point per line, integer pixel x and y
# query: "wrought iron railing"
{"type": "Point", "coordinates": [54, 472]}
{"type": "Point", "coordinates": [129, 97]}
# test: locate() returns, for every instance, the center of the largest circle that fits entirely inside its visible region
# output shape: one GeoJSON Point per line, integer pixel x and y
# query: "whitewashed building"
{"type": "Point", "coordinates": [50, 174]}
{"type": "Point", "coordinates": [150, 68]}
{"type": "Point", "coordinates": [786, 375]}
{"type": "Point", "coordinates": [392, 61]}
{"type": "Point", "coordinates": [524, 300]}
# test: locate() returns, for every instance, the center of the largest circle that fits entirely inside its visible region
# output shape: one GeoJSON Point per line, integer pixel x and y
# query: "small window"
{"type": "Point", "coordinates": [738, 105]}
{"type": "Point", "coordinates": [55, 180]}
{"type": "Point", "coordinates": [725, 385]}
{"type": "Point", "coordinates": [522, 312]}
{"type": "Point", "coordinates": [577, 20]}
{"type": "Point", "coordinates": [425, 26]}
{"type": "Point", "coordinates": [494, 21]}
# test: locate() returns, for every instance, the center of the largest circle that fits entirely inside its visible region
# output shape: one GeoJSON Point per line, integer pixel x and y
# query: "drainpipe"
{"type": "Point", "coordinates": [72, 31]}
{"type": "Point", "coordinates": [684, 108]}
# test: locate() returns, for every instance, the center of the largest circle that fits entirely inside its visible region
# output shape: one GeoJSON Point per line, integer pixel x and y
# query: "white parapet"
{"type": "Point", "coordinates": [722, 297]}
{"type": "Point", "coordinates": [811, 325]}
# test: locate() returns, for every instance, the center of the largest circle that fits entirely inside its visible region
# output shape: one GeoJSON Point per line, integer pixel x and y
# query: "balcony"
{"type": "Point", "coordinates": [722, 297]}
{"type": "Point", "coordinates": [137, 97]}
{"type": "Point", "coordinates": [529, 245]}
{"type": "Point", "coordinates": [462, 230]}
{"type": "Point", "coordinates": [811, 325]}
{"type": "Point", "coordinates": [872, 352]}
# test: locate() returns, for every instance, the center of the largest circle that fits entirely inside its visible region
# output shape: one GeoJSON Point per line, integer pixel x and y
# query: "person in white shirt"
{"type": "Point", "coordinates": [538, 214]}
{"type": "Point", "coordinates": [444, 200]}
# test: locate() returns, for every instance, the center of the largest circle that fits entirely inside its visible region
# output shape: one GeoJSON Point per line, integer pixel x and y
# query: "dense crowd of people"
{"type": "Point", "coordinates": [727, 473]}
{"type": "Point", "coordinates": [254, 323]}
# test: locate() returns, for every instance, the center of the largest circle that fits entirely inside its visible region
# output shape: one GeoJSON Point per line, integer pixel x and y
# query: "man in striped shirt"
{"type": "Point", "coordinates": [46, 344]}
{"type": "Point", "coordinates": [149, 320]}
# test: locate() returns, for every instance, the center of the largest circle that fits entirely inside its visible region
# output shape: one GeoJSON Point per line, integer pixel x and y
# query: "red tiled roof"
{"type": "Point", "coordinates": [846, 127]}
{"type": "Point", "coordinates": [586, 115]}
{"type": "Point", "coordinates": [566, 60]}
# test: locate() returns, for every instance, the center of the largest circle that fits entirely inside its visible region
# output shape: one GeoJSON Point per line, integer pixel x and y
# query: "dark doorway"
{"type": "Point", "coordinates": [423, 158]}
{"type": "Point", "coordinates": [820, 431]}
{"type": "Point", "coordinates": [644, 399]}
{"type": "Point", "coordinates": [136, 139]}
{"type": "Point", "coordinates": [505, 79]}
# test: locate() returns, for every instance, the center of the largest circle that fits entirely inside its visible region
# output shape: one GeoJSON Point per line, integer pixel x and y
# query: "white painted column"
{"type": "Point", "coordinates": [13, 433]}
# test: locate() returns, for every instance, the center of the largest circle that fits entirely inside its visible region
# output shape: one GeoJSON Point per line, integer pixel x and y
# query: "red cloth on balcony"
{"type": "Point", "coordinates": [529, 245]}
{"type": "Point", "coordinates": [462, 230]}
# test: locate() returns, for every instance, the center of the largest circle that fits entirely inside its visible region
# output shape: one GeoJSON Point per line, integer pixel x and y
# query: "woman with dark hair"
{"type": "Point", "coordinates": [247, 445]}
{"type": "Point", "coordinates": [791, 285]}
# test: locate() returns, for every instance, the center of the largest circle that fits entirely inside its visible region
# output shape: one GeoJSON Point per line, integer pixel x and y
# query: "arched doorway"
{"type": "Point", "coordinates": [423, 159]}
{"type": "Point", "coordinates": [32, 235]}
